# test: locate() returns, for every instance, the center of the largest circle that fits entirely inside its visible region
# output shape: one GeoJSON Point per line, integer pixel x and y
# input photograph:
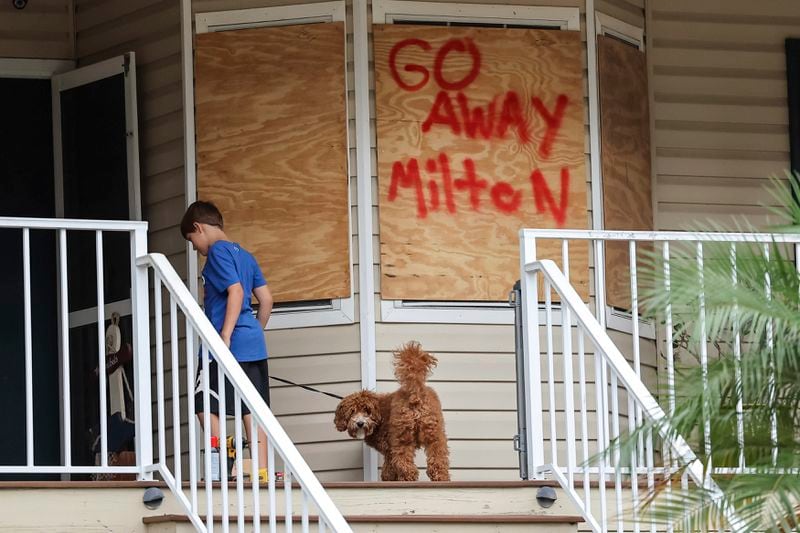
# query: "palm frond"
{"type": "Point", "coordinates": [749, 392]}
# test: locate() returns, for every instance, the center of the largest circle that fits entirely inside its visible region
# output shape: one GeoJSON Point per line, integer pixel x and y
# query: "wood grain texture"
{"type": "Point", "coordinates": [625, 137]}
{"type": "Point", "coordinates": [272, 149]}
{"type": "Point", "coordinates": [460, 251]}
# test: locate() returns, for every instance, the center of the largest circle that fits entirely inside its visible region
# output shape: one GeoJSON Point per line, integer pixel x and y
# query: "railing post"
{"type": "Point", "coordinates": [532, 357]}
{"type": "Point", "coordinates": [141, 350]}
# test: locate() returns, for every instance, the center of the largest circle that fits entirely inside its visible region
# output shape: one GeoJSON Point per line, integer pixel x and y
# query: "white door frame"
{"type": "Point", "coordinates": [126, 65]}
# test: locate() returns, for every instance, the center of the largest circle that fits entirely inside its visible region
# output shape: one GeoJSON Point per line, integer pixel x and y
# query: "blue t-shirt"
{"type": "Point", "coordinates": [229, 263]}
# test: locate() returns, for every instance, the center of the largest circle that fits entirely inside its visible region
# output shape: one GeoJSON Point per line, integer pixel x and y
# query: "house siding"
{"type": "Point", "coordinates": [719, 105]}
{"type": "Point", "coordinates": [43, 30]}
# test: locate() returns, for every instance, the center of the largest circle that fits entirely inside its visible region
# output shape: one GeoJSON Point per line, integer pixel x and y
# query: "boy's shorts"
{"type": "Point", "coordinates": [257, 371]}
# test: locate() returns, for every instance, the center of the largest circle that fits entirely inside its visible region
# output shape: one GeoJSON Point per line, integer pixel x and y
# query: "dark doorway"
{"type": "Point", "coordinates": [26, 172]}
{"type": "Point", "coordinates": [95, 185]}
{"type": "Point", "coordinates": [793, 82]}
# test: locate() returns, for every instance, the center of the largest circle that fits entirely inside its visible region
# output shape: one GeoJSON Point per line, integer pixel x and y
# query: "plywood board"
{"type": "Point", "coordinates": [480, 134]}
{"type": "Point", "coordinates": [272, 149]}
{"type": "Point", "coordinates": [625, 137]}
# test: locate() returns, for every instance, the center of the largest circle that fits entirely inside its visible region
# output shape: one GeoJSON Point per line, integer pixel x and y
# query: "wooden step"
{"type": "Point", "coordinates": [117, 506]}
{"type": "Point", "coordinates": [369, 523]}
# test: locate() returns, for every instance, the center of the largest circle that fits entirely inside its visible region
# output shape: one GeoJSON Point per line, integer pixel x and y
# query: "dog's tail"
{"type": "Point", "coordinates": [412, 365]}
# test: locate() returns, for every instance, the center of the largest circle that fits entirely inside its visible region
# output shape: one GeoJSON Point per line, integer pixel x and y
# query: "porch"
{"type": "Point", "coordinates": [714, 109]}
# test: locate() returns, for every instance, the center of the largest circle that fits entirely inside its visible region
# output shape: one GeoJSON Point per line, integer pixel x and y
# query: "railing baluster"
{"type": "Point", "coordinates": [190, 392]}
{"type": "Point", "coordinates": [101, 349]}
{"type": "Point", "coordinates": [65, 365]}
{"type": "Point", "coordinates": [668, 333]}
{"type": "Point", "coordinates": [616, 457]}
{"type": "Point", "coordinates": [637, 360]}
{"type": "Point", "coordinates": [273, 519]}
{"type": "Point", "coordinates": [237, 428]}
{"type": "Point", "coordinates": [223, 448]}
{"type": "Point", "coordinates": [205, 364]}
{"type": "Point", "coordinates": [287, 496]}
{"type": "Point", "coordinates": [158, 316]}
{"type": "Point", "coordinates": [773, 393]}
{"type": "Point", "coordinates": [634, 411]}
{"type": "Point", "coordinates": [305, 512]}
{"type": "Point", "coordinates": [26, 283]}
{"type": "Point", "coordinates": [667, 455]}
{"type": "Point", "coordinates": [254, 476]}
{"type": "Point", "coordinates": [737, 357]}
{"type": "Point", "coordinates": [651, 479]}
{"type": "Point", "coordinates": [704, 352]}
{"type": "Point", "coordinates": [600, 408]}
{"type": "Point", "coordinates": [634, 465]}
{"type": "Point", "coordinates": [548, 309]}
{"type": "Point", "coordinates": [587, 501]}
{"type": "Point", "coordinates": [569, 398]}
{"type": "Point", "coordinates": [176, 391]}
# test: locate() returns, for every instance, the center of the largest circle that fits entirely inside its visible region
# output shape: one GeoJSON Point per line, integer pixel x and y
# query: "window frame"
{"type": "Point", "coordinates": [394, 11]}
{"type": "Point", "coordinates": [336, 311]}
{"type": "Point", "coordinates": [618, 319]}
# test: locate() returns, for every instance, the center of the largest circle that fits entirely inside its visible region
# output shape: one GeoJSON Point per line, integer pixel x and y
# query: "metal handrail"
{"type": "Point", "coordinates": [213, 343]}
{"type": "Point", "coordinates": [624, 373]}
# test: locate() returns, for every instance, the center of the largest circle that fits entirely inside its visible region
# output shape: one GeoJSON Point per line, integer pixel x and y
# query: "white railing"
{"type": "Point", "coordinates": [573, 418]}
{"type": "Point", "coordinates": [172, 456]}
{"type": "Point", "coordinates": [169, 454]}
{"type": "Point", "coordinates": [62, 231]}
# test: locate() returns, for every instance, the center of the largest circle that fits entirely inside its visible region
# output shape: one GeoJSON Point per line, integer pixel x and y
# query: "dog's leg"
{"type": "Point", "coordinates": [438, 458]}
{"type": "Point", "coordinates": [387, 471]}
{"type": "Point", "coordinates": [403, 464]}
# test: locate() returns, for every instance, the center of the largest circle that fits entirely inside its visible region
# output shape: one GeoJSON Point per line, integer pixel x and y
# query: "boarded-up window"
{"type": "Point", "coordinates": [272, 149]}
{"type": "Point", "coordinates": [625, 137]}
{"type": "Point", "coordinates": [480, 133]}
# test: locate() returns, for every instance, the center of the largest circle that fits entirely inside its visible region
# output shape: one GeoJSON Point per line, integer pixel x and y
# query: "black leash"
{"type": "Point", "coordinates": [312, 389]}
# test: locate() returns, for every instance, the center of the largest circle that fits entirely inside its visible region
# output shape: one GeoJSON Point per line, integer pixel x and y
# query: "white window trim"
{"type": "Point", "coordinates": [608, 25]}
{"type": "Point", "coordinates": [341, 310]}
{"type": "Point", "coordinates": [124, 64]}
{"type": "Point", "coordinates": [387, 12]}
{"type": "Point", "coordinates": [622, 321]}
{"type": "Point", "coordinates": [34, 68]}
{"type": "Point", "coordinates": [617, 319]}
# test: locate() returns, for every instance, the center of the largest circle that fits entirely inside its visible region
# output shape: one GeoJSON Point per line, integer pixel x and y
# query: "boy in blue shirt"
{"type": "Point", "coordinates": [230, 276]}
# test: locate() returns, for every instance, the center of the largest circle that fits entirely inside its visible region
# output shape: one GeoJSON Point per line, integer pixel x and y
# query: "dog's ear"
{"type": "Point", "coordinates": [374, 408]}
{"type": "Point", "coordinates": [339, 419]}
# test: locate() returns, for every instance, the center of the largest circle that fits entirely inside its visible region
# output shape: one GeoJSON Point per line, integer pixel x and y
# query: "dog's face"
{"type": "Point", "coordinates": [359, 414]}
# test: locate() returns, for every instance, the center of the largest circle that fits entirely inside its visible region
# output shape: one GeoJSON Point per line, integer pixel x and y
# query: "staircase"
{"type": "Point", "coordinates": [502, 507]}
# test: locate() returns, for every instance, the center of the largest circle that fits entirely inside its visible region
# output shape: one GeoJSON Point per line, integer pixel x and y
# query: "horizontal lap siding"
{"type": "Point", "coordinates": [43, 30]}
{"type": "Point", "coordinates": [720, 107]}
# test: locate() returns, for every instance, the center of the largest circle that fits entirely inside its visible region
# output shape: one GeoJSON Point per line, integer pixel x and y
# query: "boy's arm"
{"type": "Point", "coordinates": [232, 311]}
{"type": "Point", "coordinates": [264, 297]}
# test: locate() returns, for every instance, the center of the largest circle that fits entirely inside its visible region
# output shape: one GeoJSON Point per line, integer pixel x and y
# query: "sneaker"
{"type": "Point", "coordinates": [263, 477]}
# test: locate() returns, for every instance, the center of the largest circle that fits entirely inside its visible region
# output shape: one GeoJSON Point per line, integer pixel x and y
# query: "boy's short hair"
{"type": "Point", "coordinates": [200, 212]}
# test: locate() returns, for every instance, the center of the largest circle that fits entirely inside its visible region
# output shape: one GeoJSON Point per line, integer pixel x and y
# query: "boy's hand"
{"type": "Point", "coordinates": [227, 340]}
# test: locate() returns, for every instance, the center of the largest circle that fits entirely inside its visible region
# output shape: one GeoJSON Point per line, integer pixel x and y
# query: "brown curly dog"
{"type": "Point", "coordinates": [398, 423]}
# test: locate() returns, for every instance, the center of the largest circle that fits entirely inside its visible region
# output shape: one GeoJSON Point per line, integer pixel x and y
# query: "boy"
{"type": "Point", "coordinates": [229, 277]}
